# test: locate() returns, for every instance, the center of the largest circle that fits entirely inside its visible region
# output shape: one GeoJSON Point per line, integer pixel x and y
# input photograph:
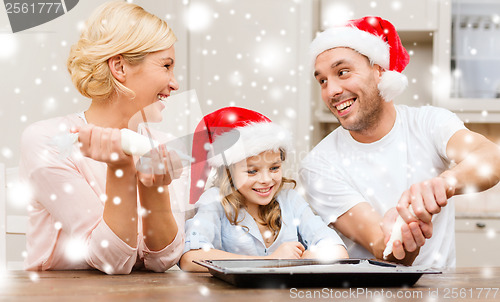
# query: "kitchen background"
{"type": "Point", "coordinates": [254, 54]}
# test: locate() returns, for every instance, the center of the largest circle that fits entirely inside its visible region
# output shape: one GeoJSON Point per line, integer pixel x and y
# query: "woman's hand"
{"type": "Point", "coordinates": [104, 145]}
{"type": "Point", "coordinates": [288, 250]}
{"type": "Point", "coordinates": [159, 167]}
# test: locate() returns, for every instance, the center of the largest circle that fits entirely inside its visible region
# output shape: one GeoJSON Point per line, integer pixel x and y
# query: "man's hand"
{"type": "Point", "coordinates": [413, 234]}
{"type": "Point", "coordinates": [426, 198]}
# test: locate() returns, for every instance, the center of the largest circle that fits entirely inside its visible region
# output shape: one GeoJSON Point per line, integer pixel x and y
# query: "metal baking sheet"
{"type": "Point", "coordinates": [314, 273]}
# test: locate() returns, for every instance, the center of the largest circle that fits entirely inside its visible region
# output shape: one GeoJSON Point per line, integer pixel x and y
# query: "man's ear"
{"type": "Point", "coordinates": [378, 71]}
{"type": "Point", "coordinates": [117, 66]}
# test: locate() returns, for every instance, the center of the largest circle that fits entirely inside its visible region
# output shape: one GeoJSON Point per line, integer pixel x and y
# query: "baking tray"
{"type": "Point", "coordinates": [314, 273]}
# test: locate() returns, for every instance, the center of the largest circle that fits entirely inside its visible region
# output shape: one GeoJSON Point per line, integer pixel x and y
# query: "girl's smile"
{"type": "Point", "coordinates": [258, 178]}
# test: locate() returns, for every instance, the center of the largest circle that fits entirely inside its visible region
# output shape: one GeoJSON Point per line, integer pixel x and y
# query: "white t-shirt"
{"type": "Point", "coordinates": [341, 172]}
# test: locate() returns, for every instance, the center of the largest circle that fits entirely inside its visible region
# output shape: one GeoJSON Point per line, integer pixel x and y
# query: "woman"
{"type": "Point", "coordinates": [84, 212]}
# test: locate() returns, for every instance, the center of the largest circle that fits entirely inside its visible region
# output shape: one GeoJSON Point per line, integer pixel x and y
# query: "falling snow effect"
{"type": "Point", "coordinates": [104, 244]}
{"type": "Point", "coordinates": [117, 200]}
{"type": "Point", "coordinates": [119, 173]}
{"type": "Point", "coordinates": [76, 250]}
{"type": "Point", "coordinates": [270, 83]}
{"type": "Point", "coordinates": [34, 277]}
{"type": "Point", "coordinates": [204, 291]}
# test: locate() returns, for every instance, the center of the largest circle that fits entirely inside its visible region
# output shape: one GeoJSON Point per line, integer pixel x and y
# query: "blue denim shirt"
{"type": "Point", "coordinates": [210, 228]}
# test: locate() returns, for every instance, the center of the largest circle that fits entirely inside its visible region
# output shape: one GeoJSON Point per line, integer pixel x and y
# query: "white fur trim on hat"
{"type": "Point", "coordinates": [253, 139]}
{"type": "Point", "coordinates": [363, 42]}
{"type": "Point", "coordinates": [392, 84]}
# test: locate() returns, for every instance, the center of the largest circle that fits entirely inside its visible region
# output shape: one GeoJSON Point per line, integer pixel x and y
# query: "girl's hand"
{"type": "Point", "coordinates": [308, 254]}
{"type": "Point", "coordinates": [159, 167]}
{"type": "Point", "coordinates": [104, 145]}
{"type": "Point", "coordinates": [288, 250]}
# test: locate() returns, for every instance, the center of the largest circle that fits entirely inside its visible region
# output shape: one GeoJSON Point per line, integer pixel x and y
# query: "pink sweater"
{"type": "Point", "coordinates": [66, 227]}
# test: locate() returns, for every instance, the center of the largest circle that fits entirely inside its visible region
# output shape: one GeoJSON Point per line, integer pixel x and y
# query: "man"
{"type": "Point", "coordinates": [386, 155]}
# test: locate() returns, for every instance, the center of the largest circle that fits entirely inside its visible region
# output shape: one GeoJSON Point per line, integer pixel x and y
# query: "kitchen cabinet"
{"type": "Point", "coordinates": [477, 241]}
{"type": "Point", "coordinates": [406, 15]}
{"type": "Point", "coordinates": [477, 228]}
{"type": "Point", "coordinates": [467, 59]}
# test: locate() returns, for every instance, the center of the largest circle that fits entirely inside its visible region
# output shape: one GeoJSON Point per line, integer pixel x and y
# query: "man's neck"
{"type": "Point", "coordinates": [379, 129]}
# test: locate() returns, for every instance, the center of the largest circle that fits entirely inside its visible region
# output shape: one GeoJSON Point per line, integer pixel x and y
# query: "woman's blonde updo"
{"type": "Point", "coordinates": [114, 28]}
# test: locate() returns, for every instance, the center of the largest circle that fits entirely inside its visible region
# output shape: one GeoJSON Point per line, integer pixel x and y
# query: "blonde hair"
{"type": "Point", "coordinates": [114, 28]}
{"type": "Point", "coordinates": [232, 200]}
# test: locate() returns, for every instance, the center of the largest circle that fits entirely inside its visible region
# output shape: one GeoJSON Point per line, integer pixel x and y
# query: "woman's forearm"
{"type": "Point", "coordinates": [120, 208]}
{"type": "Point", "coordinates": [159, 225]}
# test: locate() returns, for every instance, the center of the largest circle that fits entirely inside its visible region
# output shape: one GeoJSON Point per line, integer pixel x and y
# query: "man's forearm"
{"type": "Point", "coordinates": [478, 159]}
{"type": "Point", "coordinates": [362, 225]}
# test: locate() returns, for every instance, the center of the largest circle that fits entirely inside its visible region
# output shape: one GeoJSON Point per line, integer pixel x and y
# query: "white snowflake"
{"type": "Point", "coordinates": [7, 152]}
{"type": "Point", "coordinates": [34, 277]}
{"type": "Point", "coordinates": [117, 200]}
{"type": "Point", "coordinates": [206, 247]}
{"type": "Point", "coordinates": [491, 234]}
{"type": "Point", "coordinates": [9, 45]}
{"type": "Point", "coordinates": [108, 269]}
{"type": "Point", "coordinates": [119, 173]}
{"type": "Point", "coordinates": [396, 5]}
{"type": "Point", "coordinates": [198, 16]}
{"type": "Point", "coordinates": [76, 250]}
{"type": "Point", "coordinates": [204, 291]}
{"type": "Point", "coordinates": [103, 197]}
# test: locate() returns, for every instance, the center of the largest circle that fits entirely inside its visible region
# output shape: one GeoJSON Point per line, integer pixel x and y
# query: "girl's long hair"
{"type": "Point", "coordinates": [232, 200]}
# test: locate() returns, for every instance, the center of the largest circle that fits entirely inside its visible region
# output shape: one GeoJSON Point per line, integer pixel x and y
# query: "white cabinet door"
{"type": "Point", "coordinates": [406, 15]}
{"type": "Point", "coordinates": [477, 242]}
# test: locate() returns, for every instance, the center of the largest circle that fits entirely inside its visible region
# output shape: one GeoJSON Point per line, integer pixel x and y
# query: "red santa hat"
{"type": "Point", "coordinates": [376, 39]}
{"type": "Point", "coordinates": [229, 135]}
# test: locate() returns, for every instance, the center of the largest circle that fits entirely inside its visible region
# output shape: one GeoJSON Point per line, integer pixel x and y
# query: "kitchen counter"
{"type": "Point", "coordinates": [461, 284]}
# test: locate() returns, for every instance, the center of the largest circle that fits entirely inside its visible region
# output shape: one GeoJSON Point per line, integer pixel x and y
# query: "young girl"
{"type": "Point", "coordinates": [248, 213]}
